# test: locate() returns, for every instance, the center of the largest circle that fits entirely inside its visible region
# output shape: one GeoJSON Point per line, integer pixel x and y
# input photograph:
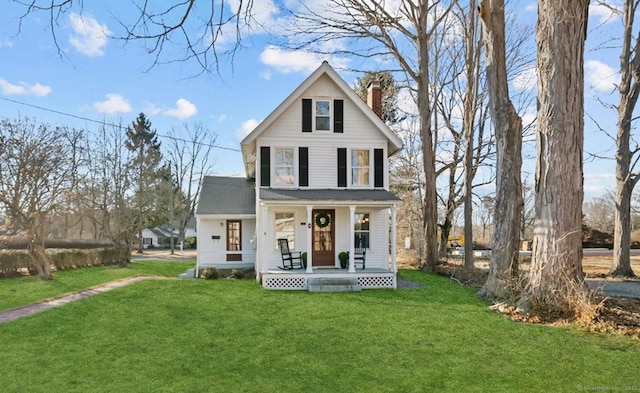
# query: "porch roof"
{"type": "Point", "coordinates": [328, 195]}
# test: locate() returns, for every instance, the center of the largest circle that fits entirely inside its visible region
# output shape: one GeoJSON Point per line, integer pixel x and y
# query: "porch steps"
{"type": "Point", "coordinates": [336, 284]}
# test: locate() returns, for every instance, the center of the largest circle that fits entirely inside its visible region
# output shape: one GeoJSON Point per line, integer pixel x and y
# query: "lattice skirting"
{"type": "Point", "coordinates": [289, 283]}
{"type": "Point", "coordinates": [376, 282]}
{"type": "Point", "coordinates": [300, 283]}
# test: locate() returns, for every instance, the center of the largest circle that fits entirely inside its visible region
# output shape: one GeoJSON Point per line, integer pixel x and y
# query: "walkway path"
{"type": "Point", "coordinates": [15, 313]}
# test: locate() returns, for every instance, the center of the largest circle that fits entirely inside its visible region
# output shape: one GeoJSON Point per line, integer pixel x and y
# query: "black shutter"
{"type": "Point", "coordinates": [338, 116]}
{"type": "Point", "coordinates": [303, 166]}
{"type": "Point", "coordinates": [307, 119]}
{"type": "Point", "coordinates": [342, 167]}
{"type": "Point", "coordinates": [265, 166]}
{"type": "Point", "coordinates": [378, 168]}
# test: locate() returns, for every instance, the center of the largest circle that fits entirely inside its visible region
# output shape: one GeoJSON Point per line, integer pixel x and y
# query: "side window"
{"type": "Point", "coordinates": [284, 166]}
{"type": "Point", "coordinates": [360, 167]}
{"type": "Point", "coordinates": [323, 115]}
{"type": "Point", "coordinates": [361, 230]}
{"type": "Point", "coordinates": [284, 228]}
{"type": "Point", "coordinates": [234, 235]}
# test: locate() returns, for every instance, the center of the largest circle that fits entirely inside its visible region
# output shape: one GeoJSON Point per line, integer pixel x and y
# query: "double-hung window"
{"type": "Point", "coordinates": [285, 228]}
{"type": "Point", "coordinates": [360, 167]}
{"type": "Point", "coordinates": [361, 230]}
{"type": "Point", "coordinates": [284, 166]}
{"type": "Point", "coordinates": [323, 115]}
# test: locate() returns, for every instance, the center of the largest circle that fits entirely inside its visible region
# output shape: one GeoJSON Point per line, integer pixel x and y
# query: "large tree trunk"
{"type": "Point", "coordinates": [37, 250]}
{"type": "Point", "coordinates": [629, 89]}
{"type": "Point", "coordinates": [556, 265]}
{"type": "Point", "coordinates": [507, 216]}
{"type": "Point", "coordinates": [622, 230]}
{"type": "Point", "coordinates": [430, 220]}
{"type": "Point", "coordinates": [472, 60]}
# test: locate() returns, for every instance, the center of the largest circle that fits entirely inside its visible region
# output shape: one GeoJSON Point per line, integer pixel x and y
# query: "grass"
{"type": "Point", "coordinates": [26, 290]}
{"type": "Point", "coordinates": [234, 336]}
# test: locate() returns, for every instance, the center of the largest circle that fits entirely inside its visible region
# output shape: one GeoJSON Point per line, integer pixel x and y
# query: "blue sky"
{"type": "Point", "coordinates": [102, 79]}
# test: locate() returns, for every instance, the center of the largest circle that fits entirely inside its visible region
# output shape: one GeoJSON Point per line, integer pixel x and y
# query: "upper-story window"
{"type": "Point", "coordinates": [360, 167]}
{"type": "Point", "coordinates": [284, 166]}
{"type": "Point", "coordinates": [323, 115]}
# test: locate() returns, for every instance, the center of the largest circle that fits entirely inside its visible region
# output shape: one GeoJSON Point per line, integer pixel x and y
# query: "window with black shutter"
{"type": "Point", "coordinates": [303, 166]}
{"type": "Point", "coordinates": [378, 165]}
{"type": "Point", "coordinates": [265, 166]}
{"type": "Point", "coordinates": [307, 117]}
{"type": "Point", "coordinates": [338, 116]}
{"type": "Point", "coordinates": [342, 167]}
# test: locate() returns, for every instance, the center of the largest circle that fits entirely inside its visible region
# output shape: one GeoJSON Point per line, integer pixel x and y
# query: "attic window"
{"type": "Point", "coordinates": [323, 115]}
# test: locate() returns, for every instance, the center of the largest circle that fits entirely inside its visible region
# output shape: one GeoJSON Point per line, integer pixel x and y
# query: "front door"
{"type": "Point", "coordinates": [323, 238]}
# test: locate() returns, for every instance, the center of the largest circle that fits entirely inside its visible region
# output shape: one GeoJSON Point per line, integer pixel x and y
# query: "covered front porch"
{"type": "Point", "coordinates": [300, 279]}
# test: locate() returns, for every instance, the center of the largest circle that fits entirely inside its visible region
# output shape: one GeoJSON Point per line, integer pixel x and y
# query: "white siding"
{"type": "Point", "coordinates": [213, 252]}
{"type": "Point", "coordinates": [359, 132]}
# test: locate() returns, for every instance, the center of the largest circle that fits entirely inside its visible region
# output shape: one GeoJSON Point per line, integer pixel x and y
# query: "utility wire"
{"type": "Point", "coordinates": [104, 123]}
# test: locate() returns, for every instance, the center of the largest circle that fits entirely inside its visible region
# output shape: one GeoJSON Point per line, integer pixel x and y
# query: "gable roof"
{"type": "Point", "coordinates": [227, 195]}
{"type": "Point", "coordinates": [249, 142]}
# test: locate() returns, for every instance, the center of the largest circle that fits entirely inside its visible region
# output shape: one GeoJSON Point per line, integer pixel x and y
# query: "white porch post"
{"type": "Point", "coordinates": [352, 263]}
{"type": "Point", "coordinates": [394, 266]}
{"type": "Point", "coordinates": [264, 244]}
{"type": "Point", "coordinates": [309, 239]}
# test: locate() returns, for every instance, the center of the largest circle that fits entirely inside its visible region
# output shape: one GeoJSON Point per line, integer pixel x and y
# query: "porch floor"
{"type": "Point", "coordinates": [297, 279]}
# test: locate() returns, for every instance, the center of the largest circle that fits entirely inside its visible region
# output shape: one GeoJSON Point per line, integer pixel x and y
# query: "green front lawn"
{"type": "Point", "coordinates": [234, 336]}
{"type": "Point", "coordinates": [20, 291]}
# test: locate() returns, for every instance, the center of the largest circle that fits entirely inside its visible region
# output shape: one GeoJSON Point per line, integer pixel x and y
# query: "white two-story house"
{"type": "Point", "coordinates": [318, 175]}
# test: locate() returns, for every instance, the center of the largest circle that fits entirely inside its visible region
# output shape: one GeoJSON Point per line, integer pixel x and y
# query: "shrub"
{"type": "Point", "coordinates": [15, 262]}
{"type": "Point", "coordinates": [209, 273]}
{"type": "Point", "coordinates": [190, 242]}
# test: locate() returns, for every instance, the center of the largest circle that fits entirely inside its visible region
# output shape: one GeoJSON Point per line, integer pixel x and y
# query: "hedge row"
{"type": "Point", "coordinates": [17, 262]}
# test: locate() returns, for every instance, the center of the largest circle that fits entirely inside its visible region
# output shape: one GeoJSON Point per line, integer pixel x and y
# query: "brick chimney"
{"type": "Point", "coordinates": [374, 97]}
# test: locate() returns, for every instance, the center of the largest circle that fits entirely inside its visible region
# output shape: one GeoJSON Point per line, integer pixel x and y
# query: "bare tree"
{"type": "Point", "coordinates": [627, 173]}
{"type": "Point", "coordinates": [205, 32]}
{"type": "Point", "coordinates": [556, 265]}
{"type": "Point", "coordinates": [110, 187]}
{"type": "Point", "coordinates": [189, 157]}
{"type": "Point", "coordinates": [35, 177]}
{"type": "Point", "coordinates": [599, 213]}
{"type": "Point", "coordinates": [508, 202]}
{"type": "Point", "coordinates": [402, 33]}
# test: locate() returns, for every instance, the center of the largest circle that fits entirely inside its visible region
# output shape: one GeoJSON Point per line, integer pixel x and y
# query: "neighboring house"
{"type": "Point", "coordinates": [155, 237]}
{"type": "Point", "coordinates": [317, 174]}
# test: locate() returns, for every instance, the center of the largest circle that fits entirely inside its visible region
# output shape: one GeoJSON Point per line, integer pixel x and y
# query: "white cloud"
{"type": "Point", "coordinates": [5, 42]}
{"type": "Point", "coordinates": [151, 110]}
{"type": "Point", "coordinates": [183, 110]}
{"type": "Point", "coordinates": [600, 76]}
{"type": "Point", "coordinates": [24, 89]}
{"type": "Point", "coordinates": [288, 62]}
{"type": "Point", "coordinates": [114, 103]}
{"type": "Point", "coordinates": [526, 80]}
{"type": "Point", "coordinates": [604, 13]}
{"type": "Point", "coordinates": [263, 13]}
{"type": "Point", "coordinates": [90, 37]}
{"type": "Point", "coordinates": [246, 128]}
{"type": "Point", "coordinates": [265, 74]}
